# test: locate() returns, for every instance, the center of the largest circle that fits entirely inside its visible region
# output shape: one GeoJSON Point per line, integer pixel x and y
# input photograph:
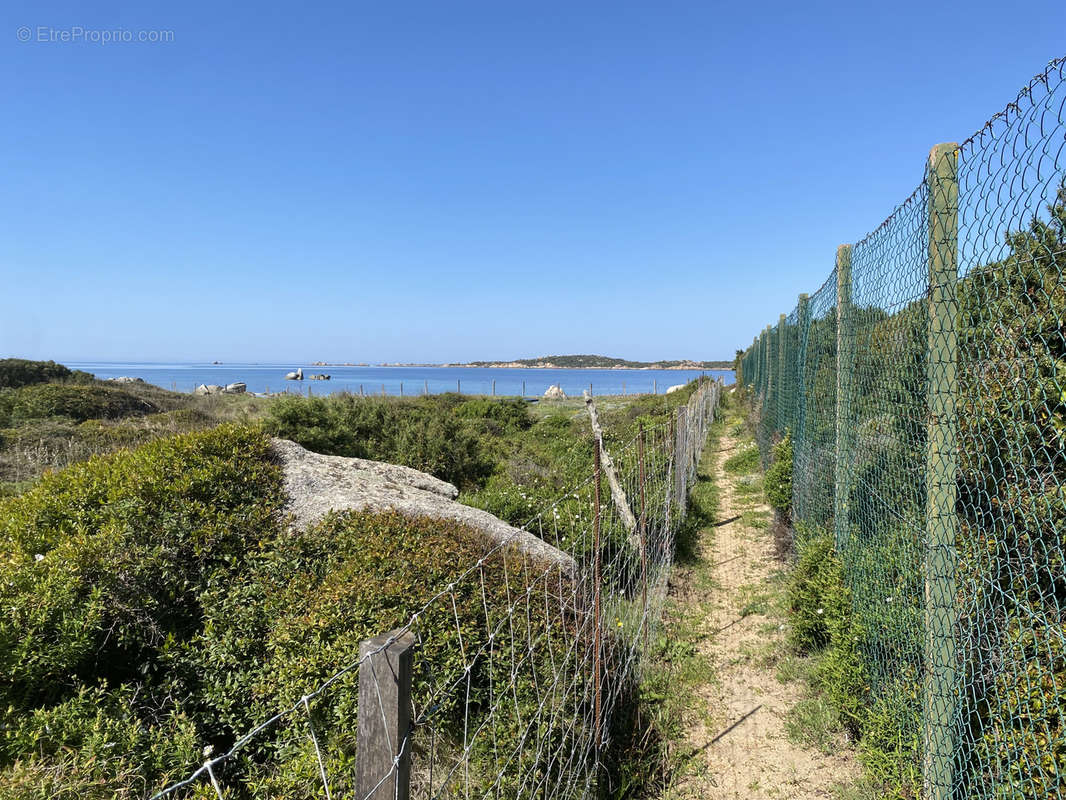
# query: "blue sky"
{"type": "Point", "coordinates": [452, 180]}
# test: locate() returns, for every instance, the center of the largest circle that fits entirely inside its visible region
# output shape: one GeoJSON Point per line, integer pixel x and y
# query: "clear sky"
{"type": "Point", "coordinates": [432, 181]}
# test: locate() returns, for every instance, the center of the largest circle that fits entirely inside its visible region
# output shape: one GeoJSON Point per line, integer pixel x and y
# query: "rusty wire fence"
{"type": "Point", "coordinates": [519, 677]}
{"type": "Point", "coordinates": [924, 391]}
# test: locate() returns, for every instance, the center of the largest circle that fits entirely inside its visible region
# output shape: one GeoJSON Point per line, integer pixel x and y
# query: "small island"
{"type": "Point", "coordinates": [560, 362]}
{"type": "Point", "coordinates": [594, 362]}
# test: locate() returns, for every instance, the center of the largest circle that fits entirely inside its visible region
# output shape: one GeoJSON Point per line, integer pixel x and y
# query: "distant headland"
{"type": "Point", "coordinates": [561, 362]}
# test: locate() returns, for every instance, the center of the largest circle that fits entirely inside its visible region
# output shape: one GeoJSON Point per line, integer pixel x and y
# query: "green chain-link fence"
{"type": "Point", "coordinates": [924, 386]}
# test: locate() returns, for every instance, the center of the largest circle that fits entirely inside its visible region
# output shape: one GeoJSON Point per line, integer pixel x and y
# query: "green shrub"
{"type": "Point", "coordinates": [510, 415]}
{"type": "Point", "coordinates": [150, 605]}
{"type": "Point", "coordinates": [421, 433]}
{"type": "Point", "coordinates": [17, 372]}
{"type": "Point", "coordinates": [778, 481]}
{"type": "Point", "coordinates": [822, 620]}
{"type": "Point", "coordinates": [73, 401]}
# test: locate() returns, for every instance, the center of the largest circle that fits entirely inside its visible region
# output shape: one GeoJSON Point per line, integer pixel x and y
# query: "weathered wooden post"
{"type": "Point", "coordinates": [383, 759]}
{"type": "Point", "coordinates": [401, 388]}
{"type": "Point", "coordinates": [523, 388]}
{"type": "Point", "coordinates": [845, 372]}
{"type": "Point", "coordinates": [382, 390]}
{"type": "Point", "coordinates": [941, 521]}
{"type": "Point", "coordinates": [596, 610]}
{"type": "Point", "coordinates": [425, 387]}
{"type": "Point", "coordinates": [458, 386]}
{"type": "Point", "coordinates": [493, 387]}
{"type": "Point", "coordinates": [642, 526]}
{"type": "Point", "coordinates": [654, 387]}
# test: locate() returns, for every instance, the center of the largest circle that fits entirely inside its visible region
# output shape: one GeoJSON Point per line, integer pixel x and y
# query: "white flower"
{"type": "Point", "coordinates": [819, 611]}
{"type": "Point", "coordinates": [39, 557]}
{"type": "Point", "coordinates": [209, 750]}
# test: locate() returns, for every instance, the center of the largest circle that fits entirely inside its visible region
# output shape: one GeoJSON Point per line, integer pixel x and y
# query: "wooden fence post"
{"type": "Point", "coordinates": [845, 372]}
{"type": "Point", "coordinates": [383, 759]}
{"type": "Point", "coordinates": [642, 524]}
{"type": "Point", "coordinates": [596, 609]}
{"type": "Point", "coordinates": [941, 521]}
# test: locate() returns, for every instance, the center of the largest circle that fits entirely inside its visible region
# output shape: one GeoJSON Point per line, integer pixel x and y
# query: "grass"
{"type": "Point", "coordinates": [676, 667]}
{"type": "Point", "coordinates": [743, 462]}
{"type": "Point", "coordinates": [813, 723]}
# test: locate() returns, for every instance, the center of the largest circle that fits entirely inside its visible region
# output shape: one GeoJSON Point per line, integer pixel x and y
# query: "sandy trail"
{"type": "Point", "coordinates": [737, 735]}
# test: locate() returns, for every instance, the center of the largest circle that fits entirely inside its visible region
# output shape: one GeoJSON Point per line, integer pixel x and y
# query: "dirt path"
{"type": "Point", "coordinates": [738, 732]}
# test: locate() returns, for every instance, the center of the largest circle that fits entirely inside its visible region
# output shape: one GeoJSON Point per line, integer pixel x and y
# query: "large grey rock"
{"type": "Point", "coordinates": [555, 392]}
{"type": "Point", "coordinates": [297, 375]}
{"type": "Point", "coordinates": [317, 484]}
{"type": "Point", "coordinates": [126, 379]}
{"type": "Point", "coordinates": [236, 388]}
{"type": "Point", "coordinates": [205, 389]}
{"type": "Point", "coordinates": [676, 388]}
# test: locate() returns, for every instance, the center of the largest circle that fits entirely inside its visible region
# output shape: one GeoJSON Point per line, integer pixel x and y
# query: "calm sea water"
{"type": "Point", "coordinates": [400, 380]}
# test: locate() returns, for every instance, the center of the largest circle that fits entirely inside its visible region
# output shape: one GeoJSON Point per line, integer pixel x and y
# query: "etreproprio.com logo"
{"type": "Point", "coordinates": [78, 34]}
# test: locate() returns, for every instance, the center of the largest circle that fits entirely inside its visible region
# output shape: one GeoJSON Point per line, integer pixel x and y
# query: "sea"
{"type": "Point", "coordinates": [406, 381]}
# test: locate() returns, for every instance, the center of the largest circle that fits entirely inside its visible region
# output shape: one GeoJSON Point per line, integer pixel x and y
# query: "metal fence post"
{"type": "Point", "coordinates": [783, 386]}
{"type": "Point", "coordinates": [383, 760]}
{"type": "Point", "coordinates": [768, 346]}
{"type": "Point", "coordinates": [941, 521]}
{"type": "Point", "coordinates": [845, 371]}
{"type": "Point", "coordinates": [803, 321]}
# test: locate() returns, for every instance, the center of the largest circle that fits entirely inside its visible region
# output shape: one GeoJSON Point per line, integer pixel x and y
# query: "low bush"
{"type": "Point", "coordinates": [72, 401]}
{"type": "Point", "coordinates": [778, 482]}
{"type": "Point", "coordinates": [18, 372]}
{"type": "Point", "coordinates": [822, 621]}
{"type": "Point", "coordinates": [420, 433]}
{"type": "Point", "coordinates": [150, 605]}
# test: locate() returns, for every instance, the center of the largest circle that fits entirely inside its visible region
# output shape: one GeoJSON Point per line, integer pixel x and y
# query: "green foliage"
{"type": "Point", "coordinates": [822, 620]}
{"type": "Point", "coordinates": [133, 580]}
{"type": "Point", "coordinates": [103, 569]}
{"type": "Point", "coordinates": [778, 481]}
{"type": "Point", "coordinates": [18, 372]}
{"type": "Point", "coordinates": [743, 462]}
{"type": "Point", "coordinates": [509, 415]}
{"type": "Point", "coordinates": [421, 433]}
{"type": "Point", "coordinates": [70, 401]}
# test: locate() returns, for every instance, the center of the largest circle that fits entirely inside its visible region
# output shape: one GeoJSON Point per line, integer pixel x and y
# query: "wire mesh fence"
{"type": "Point", "coordinates": [922, 387]}
{"type": "Point", "coordinates": [519, 677]}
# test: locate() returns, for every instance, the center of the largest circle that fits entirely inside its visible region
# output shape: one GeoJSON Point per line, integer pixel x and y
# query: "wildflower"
{"type": "Point", "coordinates": [819, 611]}
{"type": "Point", "coordinates": [39, 557]}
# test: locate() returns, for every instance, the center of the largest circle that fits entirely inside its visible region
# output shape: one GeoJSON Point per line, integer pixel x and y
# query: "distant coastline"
{"type": "Point", "coordinates": [556, 362]}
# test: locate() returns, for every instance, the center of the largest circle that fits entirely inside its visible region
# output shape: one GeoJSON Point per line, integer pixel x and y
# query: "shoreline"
{"type": "Point", "coordinates": [506, 365]}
